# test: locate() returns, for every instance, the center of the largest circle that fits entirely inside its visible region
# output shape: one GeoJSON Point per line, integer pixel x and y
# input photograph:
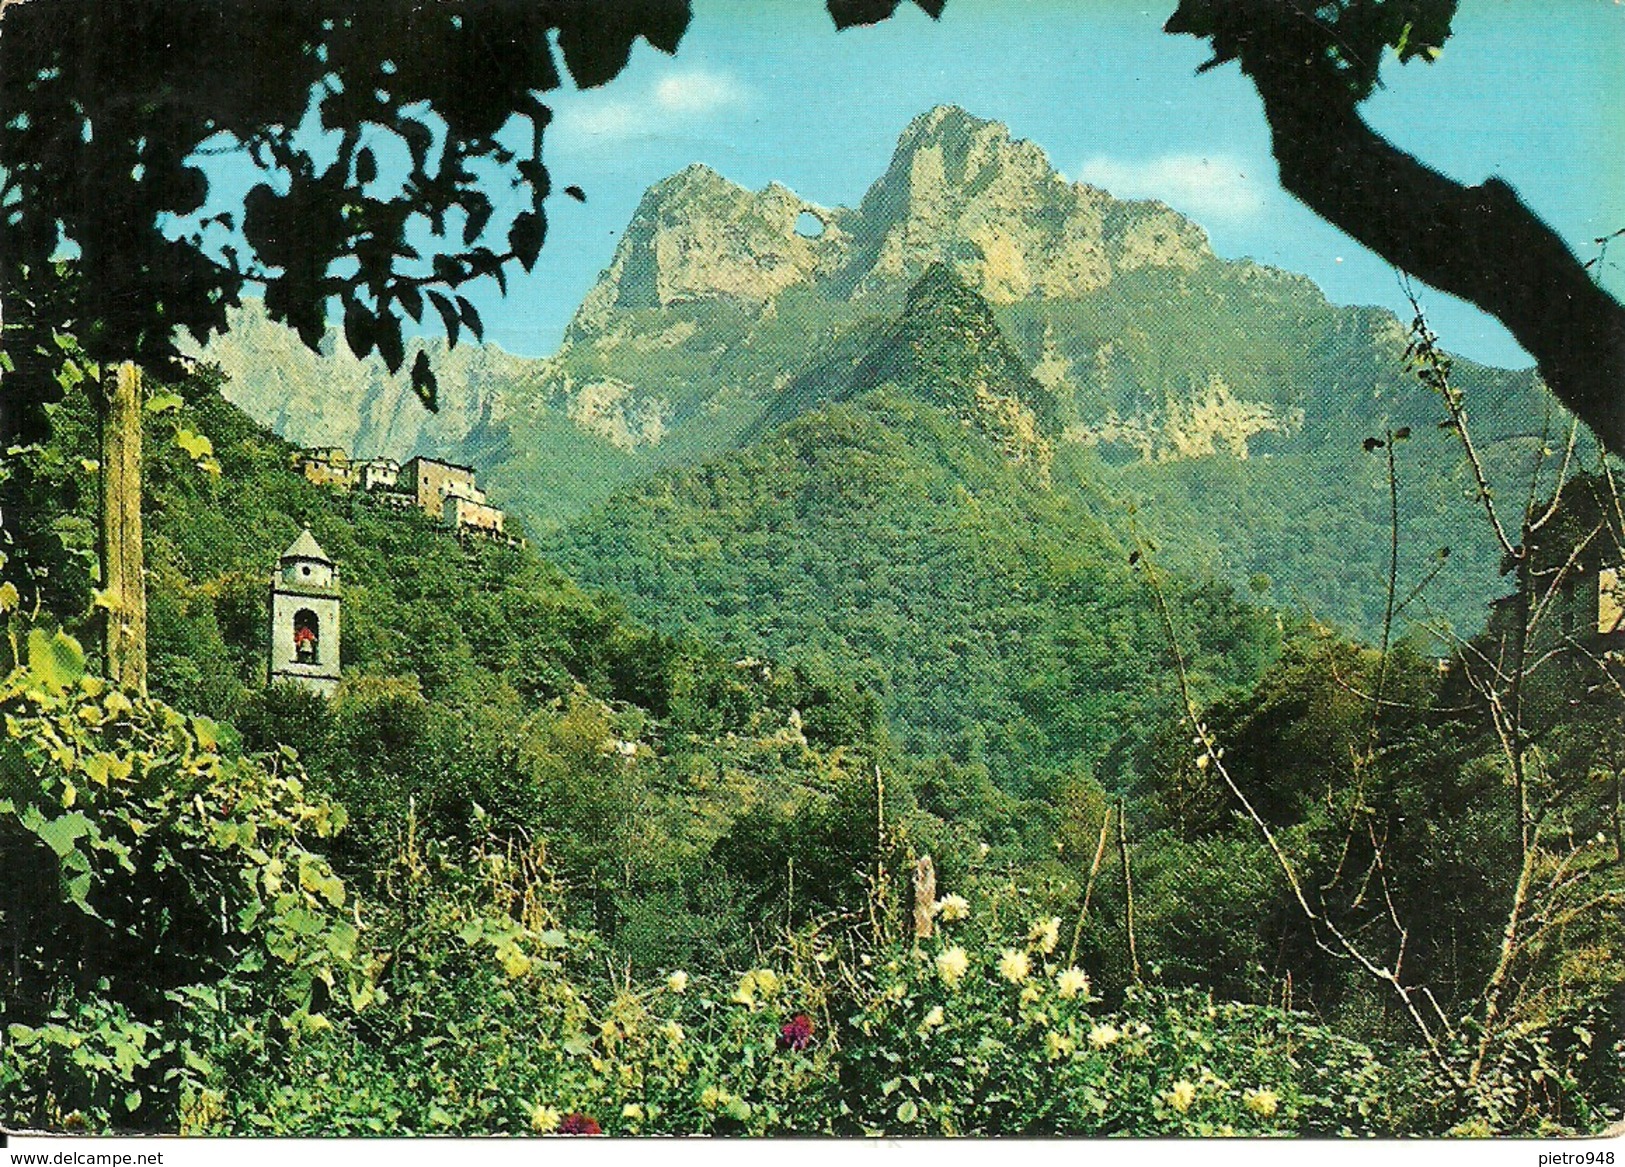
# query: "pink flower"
{"type": "Point", "coordinates": [796, 1033]}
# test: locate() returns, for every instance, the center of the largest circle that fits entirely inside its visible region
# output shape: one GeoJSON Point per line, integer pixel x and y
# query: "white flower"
{"type": "Point", "coordinates": [544, 1120]}
{"type": "Point", "coordinates": [934, 1018]}
{"type": "Point", "coordinates": [677, 981]}
{"type": "Point", "coordinates": [1102, 1036]}
{"type": "Point", "coordinates": [1072, 981]}
{"type": "Point", "coordinates": [953, 907]}
{"type": "Point", "coordinates": [952, 964]}
{"type": "Point", "coordinates": [1014, 966]}
{"type": "Point", "coordinates": [1045, 934]}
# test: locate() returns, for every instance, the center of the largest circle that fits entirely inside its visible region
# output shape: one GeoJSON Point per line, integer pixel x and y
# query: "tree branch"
{"type": "Point", "coordinates": [1477, 242]}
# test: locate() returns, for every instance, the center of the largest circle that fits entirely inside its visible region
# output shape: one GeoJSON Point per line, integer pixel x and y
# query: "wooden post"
{"type": "Point", "coordinates": [123, 583]}
{"type": "Point", "coordinates": [925, 897]}
{"type": "Point", "coordinates": [1128, 888]}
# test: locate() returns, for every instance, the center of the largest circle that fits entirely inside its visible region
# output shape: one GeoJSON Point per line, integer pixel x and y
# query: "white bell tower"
{"type": "Point", "coordinates": [305, 618]}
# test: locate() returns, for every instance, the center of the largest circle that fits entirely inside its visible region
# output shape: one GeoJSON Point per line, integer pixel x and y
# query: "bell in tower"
{"type": "Point", "coordinates": [305, 618]}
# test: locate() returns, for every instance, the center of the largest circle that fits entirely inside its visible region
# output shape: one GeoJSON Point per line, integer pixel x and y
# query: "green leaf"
{"type": "Point", "coordinates": [132, 1100]}
{"type": "Point", "coordinates": [163, 402]}
{"type": "Point", "coordinates": [907, 1111]}
{"type": "Point", "coordinates": [206, 732]}
{"type": "Point", "coordinates": [196, 446]}
{"type": "Point", "coordinates": [56, 659]}
{"type": "Point", "coordinates": [60, 834]}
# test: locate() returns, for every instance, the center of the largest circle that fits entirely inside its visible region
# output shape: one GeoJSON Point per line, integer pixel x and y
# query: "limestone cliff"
{"type": "Point", "coordinates": [332, 399]}
{"type": "Point", "coordinates": [959, 190]}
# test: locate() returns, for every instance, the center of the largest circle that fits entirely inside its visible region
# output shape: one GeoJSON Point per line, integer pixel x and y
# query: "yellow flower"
{"type": "Point", "coordinates": [677, 981]}
{"type": "Point", "coordinates": [745, 994]}
{"type": "Point", "coordinates": [1031, 993]}
{"type": "Point", "coordinates": [711, 1098]}
{"type": "Point", "coordinates": [953, 907]}
{"type": "Point", "coordinates": [1014, 966]}
{"type": "Point", "coordinates": [544, 1120]}
{"type": "Point", "coordinates": [674, 1033]}
{"type": "Point", "coordinates": [1181, 1096]}
{"type": "Point", "coordinates": [1263, 1102]}
{"type": "Point", "coordinates": [1045, 934]}
{"type": "Point", "coordinates": [632, 1112]}
{"type": "Point", "coordinates": [1057, 1045]}
{"type": "Point", "coordinates": [952, 964]}
{"type": "Point", "coordinates": [896, 991]}
{"type": "Point", "coordinates": [1072, 981]}
{"type": "Point", "coordinates": [934, 1018]}
{"type": "Point", "coordinates": [767, 981]}
{"type": "Point", "coordinates": [1102, 1036]}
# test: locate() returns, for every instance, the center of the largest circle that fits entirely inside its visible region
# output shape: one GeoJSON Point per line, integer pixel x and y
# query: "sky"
{"type": "Point", "coordinates": [766, 90]}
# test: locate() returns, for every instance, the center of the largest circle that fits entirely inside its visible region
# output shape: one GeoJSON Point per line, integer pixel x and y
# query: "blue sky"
{"type": "Point", "coordinates": [765, 90]}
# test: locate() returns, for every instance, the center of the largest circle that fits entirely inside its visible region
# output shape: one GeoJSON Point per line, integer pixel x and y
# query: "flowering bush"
{"type": "Point", "coordinates": [971, 1034]}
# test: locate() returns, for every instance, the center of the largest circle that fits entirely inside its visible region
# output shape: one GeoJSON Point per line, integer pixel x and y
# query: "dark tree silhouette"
{"type": "Point", "coordinates": [1312, 64]}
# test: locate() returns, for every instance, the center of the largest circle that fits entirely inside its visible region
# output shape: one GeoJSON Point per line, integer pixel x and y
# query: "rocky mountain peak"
{"type": "Point", "coordinates": [698, 236]}
{"type": "Point", "coordinates": [961, 190]}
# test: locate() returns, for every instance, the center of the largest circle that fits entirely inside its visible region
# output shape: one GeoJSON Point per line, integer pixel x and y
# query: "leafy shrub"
{"type": "Point", "coordinates": [145, 858]}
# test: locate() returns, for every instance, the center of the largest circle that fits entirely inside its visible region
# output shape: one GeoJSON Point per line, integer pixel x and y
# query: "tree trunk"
{"type": "Point", "coordinates": [124, 589]}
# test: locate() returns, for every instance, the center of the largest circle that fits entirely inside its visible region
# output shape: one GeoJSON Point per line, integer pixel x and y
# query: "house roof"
{"type": "Point", "coordinates": [306, 547]}
{"type": "Point", "coordinates": [428, 461]}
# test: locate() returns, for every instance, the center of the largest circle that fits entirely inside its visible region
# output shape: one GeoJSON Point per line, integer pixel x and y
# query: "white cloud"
{"type": "Point", "coordinates": [698, 91]}
{"type": "Point", "coordinates": [687, 94]}
{"type": "Point", "coordinates": [1212, 187]}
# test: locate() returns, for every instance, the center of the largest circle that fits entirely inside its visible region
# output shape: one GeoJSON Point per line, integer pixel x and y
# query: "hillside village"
{"type": "Point", "coordinates": [445, 491]}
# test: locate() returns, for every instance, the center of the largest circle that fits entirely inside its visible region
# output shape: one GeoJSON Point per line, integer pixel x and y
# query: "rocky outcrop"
{"type": "Point", "coordinates": [332, 399]}
{"type": "Point", "coordinates": [960, 190]}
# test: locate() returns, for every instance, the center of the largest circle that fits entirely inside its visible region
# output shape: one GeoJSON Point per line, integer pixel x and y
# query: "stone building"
{"type": "Point", "coordinates": [328, 466]}
{"type": "Point", "coordinates": [305, 618]}
{"type": "Point", "coordinates": [1573, 571]}
{"type": "Point", "coordinates": [430, 481]}
{"type": "Point", "coordinates": [447, 491]}
{"type": "Point", "coordinates": [377, 474]}
{"type": "Point", "coordinates": [467, 514]}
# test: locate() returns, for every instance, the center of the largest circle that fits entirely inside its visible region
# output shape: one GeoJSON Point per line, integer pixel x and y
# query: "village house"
{"type": "Point", "coordinates": [328, 466]}
{"type": "Point", "coordinates": [1571, 579]}
{"type": "Point", "coordinates": [378, 474]}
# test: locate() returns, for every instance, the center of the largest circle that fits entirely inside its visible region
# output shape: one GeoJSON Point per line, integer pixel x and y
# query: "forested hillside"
{"type": "Point", "coordinates": [987, 666]}
{"type": "Point", "coordinates": [905, 531]}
